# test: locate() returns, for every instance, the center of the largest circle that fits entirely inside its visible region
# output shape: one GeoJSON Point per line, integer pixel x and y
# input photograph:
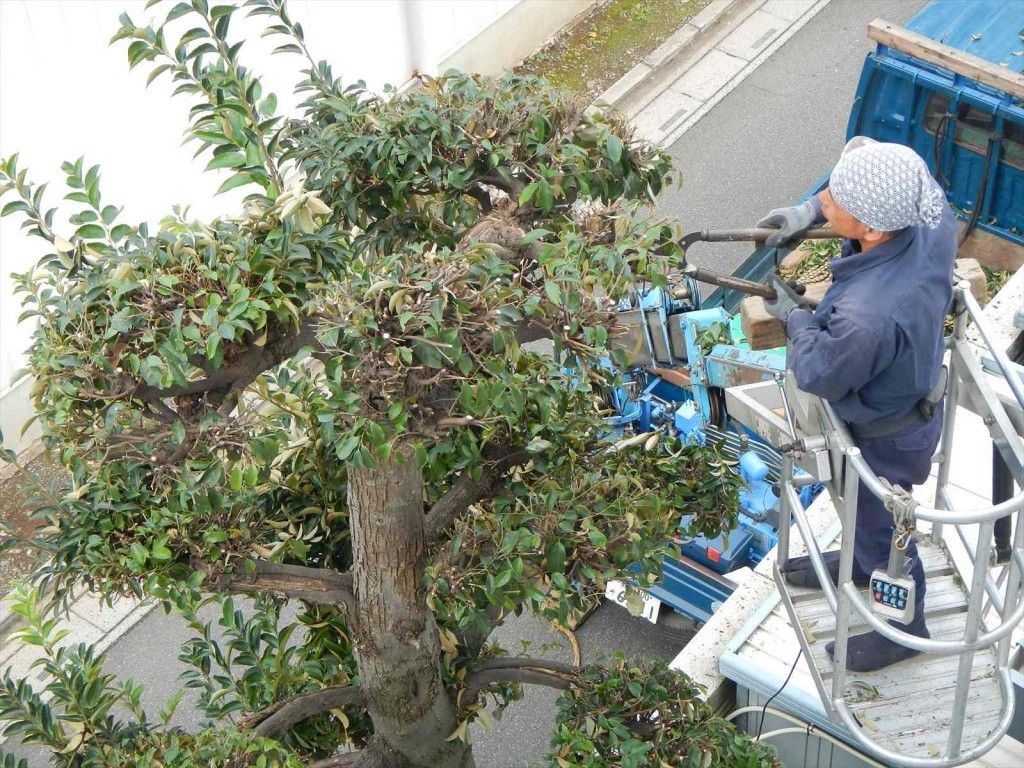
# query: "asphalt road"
{"type": "Point", "coordinates": [770, 139]}
{"type": "Point", "coordinates": [760, 147]}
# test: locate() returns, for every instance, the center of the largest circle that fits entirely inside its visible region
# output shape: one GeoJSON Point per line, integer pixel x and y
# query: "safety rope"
{"type": "Point", "coordinates": [901, 505]}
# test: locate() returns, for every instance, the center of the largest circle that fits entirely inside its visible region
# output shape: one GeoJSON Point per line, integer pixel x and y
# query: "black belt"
{"type": "Point", "coordinates": [887, 426]}
{"type": "Point", "coordinates": [921, 413]}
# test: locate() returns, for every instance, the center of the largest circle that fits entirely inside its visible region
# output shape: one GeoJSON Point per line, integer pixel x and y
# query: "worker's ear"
{"type": "Point", "coordinates": [873, 236]}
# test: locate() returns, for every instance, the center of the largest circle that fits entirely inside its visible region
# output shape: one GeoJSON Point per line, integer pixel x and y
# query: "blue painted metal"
{"type": "Point", "coordinates": [688, 422]}
{"type": "Point", "coordinates": [989, 29]}
{"type": "Point", "coordinates": [691, 584]}
{"type": "Point", "coordinates": [900, 102]}
{"type": "Point", "coordinates": [726, 552]}
{"type": "Point", "coordinates": [731, 366]}
{"type": "Point", "coordinates": [693, 324]}
{"type": "Point", "coordinates": [689, 591]}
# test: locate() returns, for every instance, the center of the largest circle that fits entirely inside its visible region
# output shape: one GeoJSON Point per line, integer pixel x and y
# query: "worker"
{"type": "Point", "coordinates": [874, 346]}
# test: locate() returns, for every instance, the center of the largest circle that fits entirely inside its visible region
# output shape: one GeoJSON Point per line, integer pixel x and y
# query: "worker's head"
{"type": "Point", "coordinates": [877, 190]}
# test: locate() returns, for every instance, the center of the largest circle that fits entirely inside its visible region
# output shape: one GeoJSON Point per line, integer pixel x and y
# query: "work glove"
{"type": "Point", "coordinates": [791, 221]}
{"type": "Point", "coordinates": [787, 300]}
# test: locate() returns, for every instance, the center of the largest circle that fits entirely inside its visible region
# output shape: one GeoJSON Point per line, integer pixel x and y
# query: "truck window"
{"type": "Point", "coordinates": [973, 127]}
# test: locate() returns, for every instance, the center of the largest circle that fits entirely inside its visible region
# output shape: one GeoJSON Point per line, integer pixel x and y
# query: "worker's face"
{"type": "Point", "coordinates": [847, 226]}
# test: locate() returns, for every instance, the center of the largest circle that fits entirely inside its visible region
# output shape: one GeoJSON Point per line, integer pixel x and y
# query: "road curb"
{"type": "Point", "coordinates": [677, 45]}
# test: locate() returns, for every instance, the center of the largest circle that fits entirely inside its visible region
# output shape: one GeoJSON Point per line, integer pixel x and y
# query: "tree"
{"type": "Point", "coordinates": [326, 400]}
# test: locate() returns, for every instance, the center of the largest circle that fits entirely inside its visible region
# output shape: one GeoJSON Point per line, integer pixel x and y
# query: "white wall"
{"type": "Point", "coordinates": [64, 92]}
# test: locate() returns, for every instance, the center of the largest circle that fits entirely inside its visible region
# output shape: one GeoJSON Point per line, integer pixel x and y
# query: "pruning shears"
{"type": "Point", "coordinates": [743, 235]}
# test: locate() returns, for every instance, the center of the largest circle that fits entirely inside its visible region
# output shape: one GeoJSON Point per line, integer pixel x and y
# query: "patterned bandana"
{"type": "Point", "coordinates": [886, 186]}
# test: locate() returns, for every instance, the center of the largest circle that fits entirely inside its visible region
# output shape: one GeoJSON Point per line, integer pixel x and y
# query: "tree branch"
{"type": "Point", "coordinates": [234, 378]}
{"type": "Point", "coordinates": [282, 716]}
{"type": "Point", "coordinates": [468, 490]}
{"type": "Point", "coordinates": [321, 586]}
{"type": "Point", "coordinates": [480, 195]}
{"type": "Point", "coordinates": [552, 674]}
{"type": "Point", "coordinates": [513, 187]}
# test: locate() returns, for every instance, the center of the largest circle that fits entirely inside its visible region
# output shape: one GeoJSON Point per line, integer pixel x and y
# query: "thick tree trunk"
{"type": "Point", "coordinates": [397, 643]}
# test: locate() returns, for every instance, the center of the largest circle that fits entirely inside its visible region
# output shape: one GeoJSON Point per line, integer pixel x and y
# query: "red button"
{"type": "Point", "coordinates": [714, 555]}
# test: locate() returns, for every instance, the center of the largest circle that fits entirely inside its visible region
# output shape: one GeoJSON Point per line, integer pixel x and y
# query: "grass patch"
{"type": "Point", "coordinates": [602, 47]}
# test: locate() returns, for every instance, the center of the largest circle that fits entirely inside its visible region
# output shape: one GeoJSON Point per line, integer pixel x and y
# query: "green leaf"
{"type": "Point", "coordinates": [534, 235]}
{"type": "Point", "coordinates": [110, 213]}
{"type": "Point", "coordinates": [553, 292]}
{"type": "Point", "coordinates": [545, 199]}
{"type": "Point", "coordinates": [215, 537]}
{"type": "Point", "coordinates": [614, 149]}
{"type": "Point", "coordinates": [238, 180]}
{"type": "Point", "coordinates": [556, 556]}
{"type": "Point", "coordinates": [538, 445]}
{"type": "Point", "coordinates": [14, 206]}
{"type": "Point", "coordinates": [226, 160]}
{"type": "Point", "coordinates": [528, 192]}
{"type": "Point", "coordinates": [178, 11]}
{"type": "Point", "coordinates": [157, 71]}
{"type": "Point", "coordinates": [212, 343]}
{"type": "Point", "coordinates": [90, 232]}
{"type": "Point", "coordinates": [138, 553]}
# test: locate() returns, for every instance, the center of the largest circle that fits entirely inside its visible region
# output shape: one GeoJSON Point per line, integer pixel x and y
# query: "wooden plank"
{"type": "Point", "coordinates": [761, 329]}
{"type": "Point", "coordinates": [991, 250]}
{"type": "Point", "coordinates": [976, 68]}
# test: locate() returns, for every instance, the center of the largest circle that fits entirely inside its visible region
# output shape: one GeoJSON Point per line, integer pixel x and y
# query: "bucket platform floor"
{"type": "Point", "coordinates": [905, 708]}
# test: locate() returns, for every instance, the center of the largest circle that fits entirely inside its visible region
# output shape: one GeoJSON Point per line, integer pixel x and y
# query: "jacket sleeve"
{"type": "Point", "coordinates": [835, 356]}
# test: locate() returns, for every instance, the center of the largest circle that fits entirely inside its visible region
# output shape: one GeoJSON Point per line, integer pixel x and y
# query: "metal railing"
{"type": "Point", "coordinates": [968, 384]}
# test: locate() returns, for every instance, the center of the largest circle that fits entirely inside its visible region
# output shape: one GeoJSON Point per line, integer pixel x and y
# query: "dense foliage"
{"type": "Point", "coordinates": [216, 389]}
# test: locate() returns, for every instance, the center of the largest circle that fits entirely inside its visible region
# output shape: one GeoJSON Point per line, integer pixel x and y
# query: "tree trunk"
{"type": "Point", "coordinates": [396, 638]}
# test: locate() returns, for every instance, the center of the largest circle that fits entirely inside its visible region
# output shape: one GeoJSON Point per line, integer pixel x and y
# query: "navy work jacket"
{"type": "Point", "coordinates": [874, 346]}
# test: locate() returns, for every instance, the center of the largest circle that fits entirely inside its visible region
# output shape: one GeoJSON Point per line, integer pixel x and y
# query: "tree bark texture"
{"type": "Point", "coordinates": [396, 638]}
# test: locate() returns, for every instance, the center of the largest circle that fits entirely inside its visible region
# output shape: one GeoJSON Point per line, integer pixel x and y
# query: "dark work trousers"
{"type": "Point", "coordinates": [903, 458]}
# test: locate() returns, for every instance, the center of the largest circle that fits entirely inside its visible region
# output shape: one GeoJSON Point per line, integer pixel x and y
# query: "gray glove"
{"type": "Point", "coordinates": [791, 222]}
{"type": "Point", "coordinates": [787, 300]}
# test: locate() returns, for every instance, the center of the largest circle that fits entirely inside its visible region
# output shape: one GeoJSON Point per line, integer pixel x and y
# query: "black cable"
{"type": "Point", "coordinates": [764, 711]}
{"type": "Point", "coordinates": [940, 140]}
{"type": "Point", "coordinates": [979, 198]}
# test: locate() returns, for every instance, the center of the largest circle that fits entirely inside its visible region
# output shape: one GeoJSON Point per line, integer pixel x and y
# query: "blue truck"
{"type": "Point", "coordinates": [949, 85]}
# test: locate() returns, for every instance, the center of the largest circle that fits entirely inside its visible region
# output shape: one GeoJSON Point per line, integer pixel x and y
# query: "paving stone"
{"type": "Point", "coordinates": [711, 14]}
{"type": "Point", "coordinates": [625, 84]}
{"type": "Point", "coordinates": [753, 35]}
{"type": "Point", "coordinates": [672, 46]}
{"type": "Point", "coordinates": [663, 114]}
{"type": "Point", "coordinates": [790, 10]}
{"type": "Point", "coordinates": [708, 75]}
{"type": "Point", "coordinates": [90, 608]}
